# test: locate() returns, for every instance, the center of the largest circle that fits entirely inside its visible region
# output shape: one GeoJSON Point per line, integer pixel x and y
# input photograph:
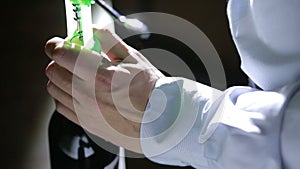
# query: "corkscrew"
{"type": "Point", "coordinates": [129, 23]}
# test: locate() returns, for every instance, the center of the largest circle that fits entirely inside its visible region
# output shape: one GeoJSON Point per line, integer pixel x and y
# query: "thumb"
{"type": "Point", "coordinates": [114, 47]}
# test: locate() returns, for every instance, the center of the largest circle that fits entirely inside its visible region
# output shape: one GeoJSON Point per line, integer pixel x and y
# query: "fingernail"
{"type": "Point", "coordinates": [49, 50]}
{"type": "Point", "coordinates": [50, 45]}
{"type": "Point", "coordinates": [49, 70]}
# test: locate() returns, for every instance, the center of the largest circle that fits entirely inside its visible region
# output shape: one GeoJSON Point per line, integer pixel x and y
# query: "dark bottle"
{"type": "Point", "coordinates": [72, 148]}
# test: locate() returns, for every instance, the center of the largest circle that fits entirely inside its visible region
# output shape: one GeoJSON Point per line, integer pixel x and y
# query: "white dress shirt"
{"type": "Point", "coordinates": [190, 124]}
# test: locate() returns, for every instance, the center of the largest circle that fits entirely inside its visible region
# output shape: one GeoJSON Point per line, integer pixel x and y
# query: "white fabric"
{"type": "Point", "coordinates": [248, 132]}
{"type": "Point", "coordinates": [180, 104]}
{"type": "Point", "coordinates": [267, 36]}
{"type": "Point", "coordinates": [291, 134]}
{"type": "Point", "coordinates": [186, 123]}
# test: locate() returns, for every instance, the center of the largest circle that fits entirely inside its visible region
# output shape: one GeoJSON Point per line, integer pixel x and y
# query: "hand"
{"type": "Point", "coordinates": [107, 97]}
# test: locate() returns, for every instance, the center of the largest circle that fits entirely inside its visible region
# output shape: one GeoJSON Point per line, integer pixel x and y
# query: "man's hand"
{"type": "Point", "coordinates": [106, 97]}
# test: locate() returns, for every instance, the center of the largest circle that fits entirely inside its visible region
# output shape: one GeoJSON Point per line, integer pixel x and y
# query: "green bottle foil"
{"type": "Point", "coordinates": [79, 24]}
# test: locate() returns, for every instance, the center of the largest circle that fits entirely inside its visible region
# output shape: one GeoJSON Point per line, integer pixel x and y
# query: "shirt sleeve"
{"type": "Point", "coordinates": [290, 134]}
{"type": "Point", "coordinates": [190, 124]}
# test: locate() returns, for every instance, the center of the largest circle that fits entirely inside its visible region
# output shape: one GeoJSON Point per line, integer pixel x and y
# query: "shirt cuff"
{"type": "Point", "coordinates": [172, 122]}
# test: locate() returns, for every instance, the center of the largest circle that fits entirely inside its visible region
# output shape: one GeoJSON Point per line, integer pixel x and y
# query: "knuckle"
{"type": "Point", "coordinates": [105, 31]}
{"type": "Point", "coordinates": [103, 80]}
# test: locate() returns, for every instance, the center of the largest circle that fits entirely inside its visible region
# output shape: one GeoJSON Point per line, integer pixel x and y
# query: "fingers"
{"type": "Point", "coordinates": [115, 48]}
{"type": "Point", "coordinates": [65, 80]}
{"type": "Point", "coordinates": [65, 111]}
{"type": "Point", "coordinates": [76, 59]}
{"type": "Point", "coordinates": [51, 44]}
{"type": "Point", "coordinates": [59, 76]}
{"type": "Point", "coordinates": [61, 96]}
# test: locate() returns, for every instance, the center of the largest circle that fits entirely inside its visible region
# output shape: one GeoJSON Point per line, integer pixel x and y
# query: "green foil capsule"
{"type": "Point", "coordinates": [79, 24]}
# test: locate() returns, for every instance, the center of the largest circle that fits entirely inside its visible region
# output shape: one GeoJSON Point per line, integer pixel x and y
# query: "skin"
{"type": "Point", "coordinates": [107, 97]}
